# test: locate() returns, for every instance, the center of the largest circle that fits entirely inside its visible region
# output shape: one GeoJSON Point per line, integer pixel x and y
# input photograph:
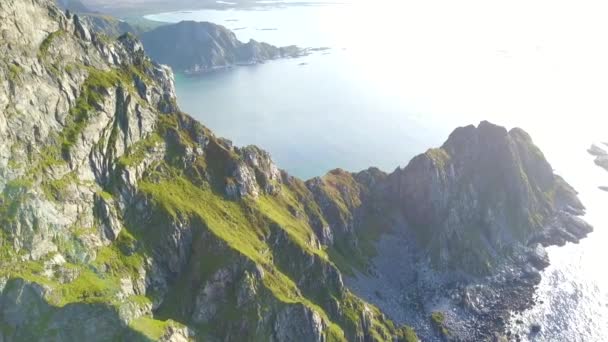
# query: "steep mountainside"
{"type": "Point", "coordinates": [205, 47]}
{"type": "Point", "coordinates": [122, 218]}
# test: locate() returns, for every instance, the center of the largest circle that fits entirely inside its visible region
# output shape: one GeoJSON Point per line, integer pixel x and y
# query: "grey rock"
{"type": "Point", "coordinates": [81, 30]}
{"type": "Point", "coordinates": [298, 323]}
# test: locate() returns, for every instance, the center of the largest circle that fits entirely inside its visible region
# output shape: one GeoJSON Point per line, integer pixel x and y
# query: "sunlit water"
{"type": "Point", "coordinates": [401, 75]}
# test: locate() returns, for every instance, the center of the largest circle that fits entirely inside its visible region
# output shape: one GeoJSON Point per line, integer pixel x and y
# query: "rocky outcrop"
{"type": "Point", "coordinates": [483, 192]}
{"type": "Point", "coordinates": [204, 47]}
{"type": "Point", "coordinates": [298, 323]}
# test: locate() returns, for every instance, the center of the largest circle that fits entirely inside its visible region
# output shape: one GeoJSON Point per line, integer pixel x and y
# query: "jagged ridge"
{"type": "Point", "coordinates": [117, 207]}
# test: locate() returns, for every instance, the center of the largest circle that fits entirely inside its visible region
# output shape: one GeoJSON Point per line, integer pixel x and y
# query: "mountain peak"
{"type": "Point", "coordinates": [484, 189]}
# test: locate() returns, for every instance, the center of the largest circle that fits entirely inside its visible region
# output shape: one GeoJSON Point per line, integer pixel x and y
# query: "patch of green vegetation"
{"type": "Point", "coordinates": [33, 271]}
{"type": "Point", "coordinates": [94, 283]}
{"type": "Point", "coordinates": [409, 335]}
{"type": "Point", "coordinates": [14, 71]}
{"type": "Point", "coordinates": [224, 218]}
{"type": "Point", "coordinates": [88, 287]}
{"type": "Point", "coordinates": [49, 157]}
{"type": "Point", "coordinates": [28, 270]}
{"type": "Point", "coordinates": [69, 68]}
{"type": "Point", "coordinates": [105, 195]}
{"type": "Point", "coordinates": [43, 50]}
{"type": "Point", "coordinates": [438, 318]}
{"type": "Point", "coordinates": [91, 97]}
{"type": "Point", "coordinates": [116, 262]}
{"type": "Point", "coordinates": [275, 208]}
{"type": "Point", "coordinates": [55, 188]}
{"type": "Point", "coordinates": [439, 157]}
{"type": "Point", "coordinates": [91, 284]}
{"type": "Point", "coordinates": [438, 321]}
{"type": "Point", "coordinates": [138, 152]}
{"type": "Point", "coordinates": [150, 327]}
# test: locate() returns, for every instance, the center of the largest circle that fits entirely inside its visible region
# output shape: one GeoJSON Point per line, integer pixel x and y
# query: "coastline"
{"type": "Point", "coordinates": [474, 308]}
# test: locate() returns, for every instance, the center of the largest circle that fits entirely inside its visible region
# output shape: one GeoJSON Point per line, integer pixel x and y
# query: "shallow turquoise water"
{"type": "Point", "coordinates": [401, 75]}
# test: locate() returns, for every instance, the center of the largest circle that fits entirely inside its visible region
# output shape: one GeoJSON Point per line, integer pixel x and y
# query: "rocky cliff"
{"type": "Point", "coordinates": [122, 218]}
{"type": "Point", "coordinates": [483, 193]}
{"type": "Point", "coordinates": [198, 47]}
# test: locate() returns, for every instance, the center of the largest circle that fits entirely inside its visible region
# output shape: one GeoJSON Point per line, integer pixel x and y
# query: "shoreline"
{"type": "Point", "coordinates": [405, 286]}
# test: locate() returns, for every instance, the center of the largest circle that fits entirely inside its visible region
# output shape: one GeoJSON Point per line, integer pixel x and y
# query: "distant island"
{"type": "Point", "coordinates": [189, 47]}
{"type": "Point", "coordinates": [198, 47]}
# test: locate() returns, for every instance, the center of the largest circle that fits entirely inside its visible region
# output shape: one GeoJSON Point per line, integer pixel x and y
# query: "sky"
{"type": "Point", "coordinates": [543, 58]}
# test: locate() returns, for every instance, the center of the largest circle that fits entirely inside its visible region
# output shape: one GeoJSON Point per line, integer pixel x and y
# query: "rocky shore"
{"type": "Point", "coordinates": [404, 285]}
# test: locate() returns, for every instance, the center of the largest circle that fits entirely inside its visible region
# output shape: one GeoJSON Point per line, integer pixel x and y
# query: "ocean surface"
{"type": "Point", "coordinates": [400, 76]}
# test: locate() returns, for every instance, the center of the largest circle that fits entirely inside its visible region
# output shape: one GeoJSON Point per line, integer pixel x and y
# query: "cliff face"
{"type": "Point", "coordinates": [122, 218]}
{"type": "Point", "coordinates": [204, 47]}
